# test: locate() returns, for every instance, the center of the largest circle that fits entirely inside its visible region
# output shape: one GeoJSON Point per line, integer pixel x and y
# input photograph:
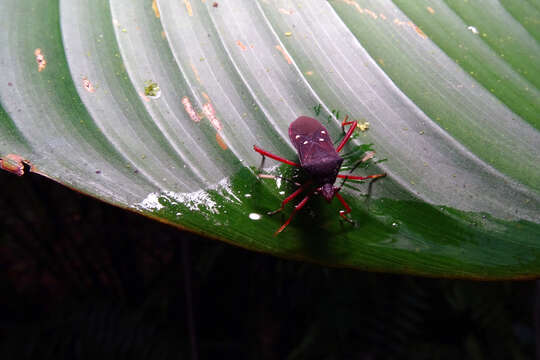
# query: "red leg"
{"type": "Point", "coordinates": [345, 122]}
{"type": "Point", "coordinates": [296, 208]}
{"type": "Point", "coordinates": [272, 156]}
{"type": "Point", "coordinates": [349, 132]}
{"type": "Point", "coordinates": [347, 210]}
{"type": "Point", "coordinates": [288, 199]}
{"type": "Point", "coordinates": [352, 177]}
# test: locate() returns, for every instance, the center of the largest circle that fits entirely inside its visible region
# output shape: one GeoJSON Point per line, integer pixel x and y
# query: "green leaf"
{"type": "Point", "coordinates": [155, 106]}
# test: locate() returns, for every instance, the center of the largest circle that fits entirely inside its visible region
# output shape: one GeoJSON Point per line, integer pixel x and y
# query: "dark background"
{"type": "Point", "coordinates": [81, 279]}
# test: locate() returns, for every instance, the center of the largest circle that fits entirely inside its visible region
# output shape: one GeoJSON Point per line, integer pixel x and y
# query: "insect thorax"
{"type": "Point", "coordinates": [323, 171]}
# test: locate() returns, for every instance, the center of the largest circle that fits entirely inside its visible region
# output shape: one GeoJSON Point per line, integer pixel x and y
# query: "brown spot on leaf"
{"type": "Point", "coordinates": [196, 72]}
{"type": "Point", "coordinates": [370, 13]}
{"type": "Point", "coordinates": [412, 26]}
{"type": "Point", "coordinates": [13, 163]}
{"type": "Point", "coordinates": [286, 11]}
{"type": "Point", "coordinates": [88, 85]}
{"type": "Point", "coordinates": [417, 29]}
{"type": "Point", "coordinates": [221, 142]}
{"type": "Point", "coordinates": [285, 55]}
{"type": "Point", "coordinates": [40, 59]}
{"type": "Point", "coordinates": [190, 110]}
{"type": "Point", "coordinates": [241, 45]}
{"type": "Point", "coordinates": [430, 9]}
{"type": "Point", "coordinates": [210, 113]}
{"type": "Point", "coordinates": [205, 95]}
{"type": "Point", "coordinates": [145, 98]}
{"type": "Point", "coordinates": [355, 4]}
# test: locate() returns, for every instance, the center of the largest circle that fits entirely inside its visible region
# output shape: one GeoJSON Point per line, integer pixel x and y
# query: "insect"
{"type": "Point", "coordinates": [321, 162]}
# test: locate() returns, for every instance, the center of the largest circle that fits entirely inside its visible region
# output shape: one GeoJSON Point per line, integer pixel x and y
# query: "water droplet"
{"type": "Point", "coordinates": [282, 193]}
{"type": "Point", "coordinates": [473, 29]}
{"type": "Point", "coordinates": [247, 195]}
{"type": "Point", "coordinates": [395, 224]}
{"type": "Point", "coordinates": [255, 216]}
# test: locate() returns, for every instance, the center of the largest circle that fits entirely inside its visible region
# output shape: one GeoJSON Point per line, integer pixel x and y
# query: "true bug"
{"type": "Point", "coordinates": [320, 160]}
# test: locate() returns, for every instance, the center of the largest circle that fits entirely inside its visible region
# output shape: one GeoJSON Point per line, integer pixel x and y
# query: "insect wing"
{"type": "Point", "coordinates": [311, 139]}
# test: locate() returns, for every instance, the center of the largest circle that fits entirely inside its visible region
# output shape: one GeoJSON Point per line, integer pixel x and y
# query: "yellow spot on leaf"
{"type": "Point", "coordinates": [188, 7]}
{"type": "Point", "coordinates": [363, 126]}
{"type": "Point", "coordinates": [155, 8]}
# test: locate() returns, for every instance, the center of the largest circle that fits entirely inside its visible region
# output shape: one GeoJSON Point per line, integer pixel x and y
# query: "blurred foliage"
{"type": "Point", "coordinates": [84, 280]}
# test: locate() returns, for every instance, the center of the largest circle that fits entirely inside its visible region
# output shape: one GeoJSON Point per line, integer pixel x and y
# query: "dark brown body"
{"type": "Point", "coordinates": [317, 154]}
